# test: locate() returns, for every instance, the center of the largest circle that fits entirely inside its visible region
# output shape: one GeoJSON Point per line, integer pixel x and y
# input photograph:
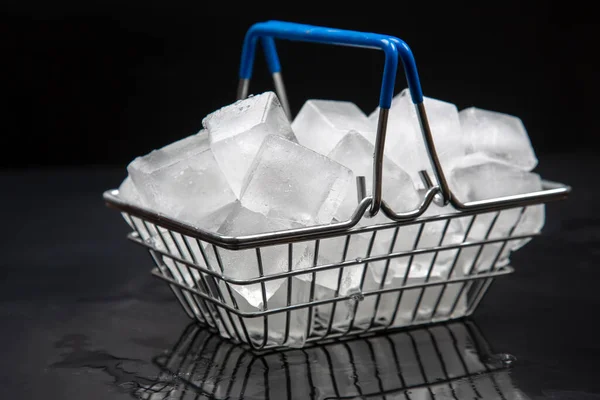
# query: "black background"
{"type": "Point", "coordinates": [100, 83]}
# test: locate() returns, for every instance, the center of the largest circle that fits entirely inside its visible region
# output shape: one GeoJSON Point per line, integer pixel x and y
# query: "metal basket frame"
{"type": "Point", "coordinates": [179, 249]}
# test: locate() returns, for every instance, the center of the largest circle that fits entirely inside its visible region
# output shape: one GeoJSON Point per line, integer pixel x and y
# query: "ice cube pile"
{"type": "Point", "coordinates": [249, 170]}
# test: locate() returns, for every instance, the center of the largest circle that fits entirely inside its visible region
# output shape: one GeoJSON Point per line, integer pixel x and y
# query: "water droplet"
{"type": "Point", "coordinates": [500, 360]}
{"type": "Point", "coordinates": [358, 259]}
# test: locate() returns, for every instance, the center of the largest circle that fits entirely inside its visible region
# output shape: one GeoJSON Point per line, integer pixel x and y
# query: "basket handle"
{"type": "Point", "coordinates": [393, 49]}
{"type": "Point", "coordinates": [391, 46]}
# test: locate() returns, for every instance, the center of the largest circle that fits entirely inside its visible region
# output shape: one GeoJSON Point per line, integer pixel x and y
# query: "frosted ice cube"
{"type": "Point", "coordinates": [295, 323]}
{"type": "Point", "coordinates": [477, 177]}
{"type": "Point", "coordinates": [129, 193]}
{"type": "Point", "coordinates": [244, 264]}
{"type": "Point", "coordinates": [236, 132]}
{"type": "Point", "coordinates": [405, 144]}
{"type": "Point", "coordinates": [333, 251]}
{"type": "Point", "coordinates": [502, 137]}
{"type": "Point", "coordinates": [437, 301]}
{"type": "Point", "coordinates": [291, 182]}
{"type": "Point", "coordinates": [373, 119]}
{"type": "Point", "coordinates": [356, 152]}
{"type": "Point", "coordinates": [418, 303]}
{"type": "Point", "coordinates": [419, 236]}
{"type": "Point", "coordinates": [174, 245]}
{"type": "Point", "coordinates": [182, 180]}
{"type": "Point", "coordinates": [213, 221]}
{"type": "Point", "coordinates": [393, 309]}
{"type": "Point", "coordinates": [321, 124]}
{"type": "Point", "coordinates": [335, 314]}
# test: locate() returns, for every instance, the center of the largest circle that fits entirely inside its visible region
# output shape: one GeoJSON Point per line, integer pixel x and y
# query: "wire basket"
{"type": "Point", "coordinates": [190, 260]}
{"type": "Point", "coordinates": [444, 361]}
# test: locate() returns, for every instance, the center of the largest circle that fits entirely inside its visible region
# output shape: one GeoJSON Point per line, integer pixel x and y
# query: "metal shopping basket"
{"type": "Point", "coordinates": [190, 259]}
{"type": "Point", "coordinates": [443, 361]}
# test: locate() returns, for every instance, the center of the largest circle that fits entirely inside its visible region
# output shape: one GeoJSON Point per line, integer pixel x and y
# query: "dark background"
{"type": "Point", "coordinates": [100, 83]}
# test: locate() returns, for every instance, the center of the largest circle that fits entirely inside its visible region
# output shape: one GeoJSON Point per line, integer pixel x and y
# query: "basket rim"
{"type": "Point", "coordinates": [551, 191]}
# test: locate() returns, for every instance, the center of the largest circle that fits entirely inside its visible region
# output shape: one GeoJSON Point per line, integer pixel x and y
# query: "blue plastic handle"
{"type": "Point", "coordinates": [391, 46]}
{"type": "Point", "coordinates": [268, 44]}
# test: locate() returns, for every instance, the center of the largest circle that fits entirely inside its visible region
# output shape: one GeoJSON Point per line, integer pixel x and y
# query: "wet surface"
{"type": "Point", "coordinates": [83, 318]}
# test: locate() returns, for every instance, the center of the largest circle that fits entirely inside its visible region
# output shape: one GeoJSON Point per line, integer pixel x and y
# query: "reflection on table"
{"type": "Point", "coordinates": [443, 361]}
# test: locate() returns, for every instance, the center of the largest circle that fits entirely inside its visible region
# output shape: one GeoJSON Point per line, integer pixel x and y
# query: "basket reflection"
{"type": "Point", "coordinates": [443, 361]}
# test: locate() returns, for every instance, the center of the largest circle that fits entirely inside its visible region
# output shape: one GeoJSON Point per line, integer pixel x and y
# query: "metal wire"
{"type": "Point", "coordinates": [551, 191]}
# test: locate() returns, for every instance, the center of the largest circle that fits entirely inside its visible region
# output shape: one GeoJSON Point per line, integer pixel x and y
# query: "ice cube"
{"type": "Point", "coordinates": [373, 119]}
{"type": "Point", "coordinates": [502, 137]}
{"type": "Point", "coordinates": [291, 182]}
{"type": "Point", "coordinates": [321, 124]}
{"type": "Point", "coordinates": [173, 244]}
{"type": "Point", "coordinates": [477, 177]}
{"type": "Point", "coordinates": [356, 152]}
{"type": "Point", "coordinates": [419, 236]}
{"type": "Point", "coordinates": [295, 322]}
{"type": "Point", "coordinates": [405, 144]}
{"type": "Point", "coordinates": [244, 264]}
{"type": "Point", "coordinates": [182, 180]}
{"type": "Point", "coordinates": [129, 193]}
{"type": "Point", "coordinates": [213, 221]}
{"type": "Point", "coordinates": [334, 251]}
{"type": "Point", "coordinates": [392, 309]}
{"type": "Point", "coordinates": [210, 223]}
{"type": "Point", "coordinates": [236, 132]}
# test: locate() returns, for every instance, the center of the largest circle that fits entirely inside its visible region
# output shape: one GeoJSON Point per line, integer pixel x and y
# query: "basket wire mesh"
{"type": "Point", "coordinates": [186, 264]}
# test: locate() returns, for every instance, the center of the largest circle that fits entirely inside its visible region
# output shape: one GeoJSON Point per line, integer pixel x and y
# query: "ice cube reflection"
{"type": "Point", "coordinates": [443, 361]}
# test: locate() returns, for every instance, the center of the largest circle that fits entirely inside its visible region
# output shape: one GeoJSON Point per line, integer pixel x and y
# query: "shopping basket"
{"type": "Point", "coordinates": [190, 259]}
{"type": "Point", "coordinates": [450, 360]}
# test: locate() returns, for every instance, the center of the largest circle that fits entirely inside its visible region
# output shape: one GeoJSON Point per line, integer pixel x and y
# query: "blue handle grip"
{"type": "Point", "coordinates": [268, 44]}
{"type": "Point", "coordinates": [391, 46]}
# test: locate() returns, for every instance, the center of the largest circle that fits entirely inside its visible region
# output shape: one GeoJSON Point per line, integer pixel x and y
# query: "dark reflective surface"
{"type": "Point", "coordinates": [442, 362]}
{"type": "Point", "coordinates": [82, 317]}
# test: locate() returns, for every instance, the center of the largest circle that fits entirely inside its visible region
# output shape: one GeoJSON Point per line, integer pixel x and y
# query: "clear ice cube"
{"type": "Point", "coordinates": [244, 264]}
{"type": "Point", "coordinates": [477, 177]}
{"type": "Point", "coordinates": [419, 236]}
{"type": "Point", "coordinates": [129, 193]}
{"type": "Point", "coordinates": [321, 124]}
{"type": "Point", "coordinates": [356, 152]}
{"type": "Point", "coordinates": [392, 309]}
{"type": "Point", "coordinates": [237, 131]}
{"type": "Point", "coordinates": [175, 246]}
{"type": "Point", "coordinates": [405, 144]}
{"type": "Point", "coordinates": [502, 137]}
{"type": "Point", "coordinates": [290, 182]}
{"type": "Point", "coordinates": [182, 180]}
{"type": "Point", "coordinates": [373, 119]}
{"type": "Point", "coordinates": [283, 328]}
{"type": "Point", "coordinates": [213, 221]}
{"type": "Point", "coordinates": [334, 251]}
